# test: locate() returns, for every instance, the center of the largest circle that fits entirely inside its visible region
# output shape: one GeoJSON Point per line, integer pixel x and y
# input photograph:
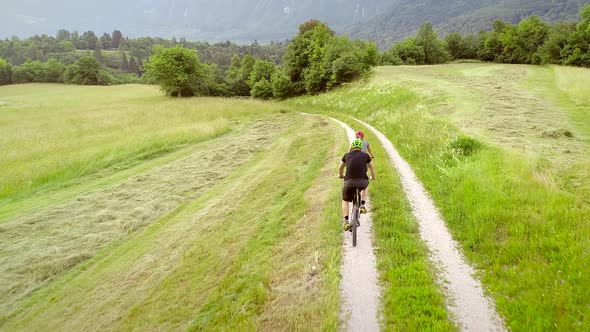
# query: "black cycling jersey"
{"type": "Point", "coordinates": [356, 165]}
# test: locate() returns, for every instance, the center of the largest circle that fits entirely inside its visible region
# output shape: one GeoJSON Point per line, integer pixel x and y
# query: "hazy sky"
{"type": "Point", "coordinates": [221, 19]}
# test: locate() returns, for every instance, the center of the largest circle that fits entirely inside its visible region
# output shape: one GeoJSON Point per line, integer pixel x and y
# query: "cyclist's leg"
{"type": "Point", "coordinates": [347, 195]}
{"type": "Point", "coordinates": [345, 209]}
{"type": "Point", "coordinates": [364, 193]}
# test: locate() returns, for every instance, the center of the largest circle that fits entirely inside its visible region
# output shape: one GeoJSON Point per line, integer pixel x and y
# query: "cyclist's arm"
{"type": "Point", "coordinates": [372, 169]}
{"type": "Point", "coordinates": [341, 170]}
{"type": "Point", "coordinates": [370, 152]}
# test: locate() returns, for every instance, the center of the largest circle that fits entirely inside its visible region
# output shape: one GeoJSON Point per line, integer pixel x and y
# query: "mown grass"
{"type": "Point", "coordinates": [37, 246]}
{"type": "Point", "coordinates": [520, 219]}
{"type": "Point", "coordinates": [217, 261]}
{"type": "Point", "coordinates": [55, 134]}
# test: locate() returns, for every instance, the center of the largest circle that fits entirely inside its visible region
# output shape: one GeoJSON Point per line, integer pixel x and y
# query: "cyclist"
{"type": "Point", "coordinates": [356, 163]}
{"type": "Point", "coordinates": [366, 149]}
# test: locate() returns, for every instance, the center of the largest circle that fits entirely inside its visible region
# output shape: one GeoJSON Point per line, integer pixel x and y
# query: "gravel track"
{"type": "Point", "coordinates": [359, 289]}
{"type": "Point", "coordinates": [471, 309]}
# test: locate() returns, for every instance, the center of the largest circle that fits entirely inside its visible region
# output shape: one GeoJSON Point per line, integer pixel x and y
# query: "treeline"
{"type": "Point", "coordinates": [45, 58]}
{"type": "Point", "coordinates": [315, 60]}
{"type": "Point", "coordinates": [531, 41]}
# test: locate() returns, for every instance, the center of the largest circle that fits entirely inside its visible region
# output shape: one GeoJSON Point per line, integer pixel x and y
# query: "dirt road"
{"type": "Point", "coordinates": [359, 289]}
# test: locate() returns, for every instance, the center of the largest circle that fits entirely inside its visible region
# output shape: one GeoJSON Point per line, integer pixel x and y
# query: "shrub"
{"type": "Point", "coordinates": [281, 85]}
{"type": "Point", "coordinates": [262, 89]}
{"type": "Point", "coordinates": [465, 145]}
{"type": "Point", "coordinates": [51, 71]}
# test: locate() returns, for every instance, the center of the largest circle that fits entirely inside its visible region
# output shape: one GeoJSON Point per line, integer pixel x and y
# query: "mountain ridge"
{"type": "Point", "coordinates": [245, 21]}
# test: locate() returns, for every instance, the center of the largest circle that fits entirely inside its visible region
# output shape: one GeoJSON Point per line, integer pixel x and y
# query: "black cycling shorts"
{"type": "Point", "coordinates": [350, 186]}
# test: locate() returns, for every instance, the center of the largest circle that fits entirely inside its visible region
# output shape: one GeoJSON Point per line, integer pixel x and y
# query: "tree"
{"type": "Point", "coordinates": [281, 85]}
{"type": "Point", "coordinates": [261, 70]}
{"type": "Point", "coordinates": [90, 38]}
{"type": "Point", "coordinates": [105, 41]}
{"type": "Point", "coordinates": [117, 36]}
{"type": "Point", "coordinates": [246, 68]}
{"type": "Point", "coordinates": [215, 83]}
{"type": "Point", "coordinates": [550, 51]}
{"type": "Point", "coordinates": [345, 69]}
{"type": "Point", "coordinates": [490, 48]}
{"type": "Point", "coordinates": [5, 72]}
{"type": "Point", "coordinates": [177, 70]}
{"type": "Point", "coordinates": [434, 51]}
{"type": "Point", "coordinates": [62, 35]}
{"type": "Point", "coordinates": [133, 66]}
{"type": "Point", "coordinates": [454, 43]}
{"type": "Point", "coordinates": [576, 52]}
{"type": "Point", "coordinates": [98, 52]}
{"type": "Point", "coordinates": [237, 86]}
{"type": "Point", "coordinates": [300, 51]}
{"type": "Point", "coordinates": [66, 46]}
{"type": "Point", "coordinates": [124, 62]}
{"type": "Point", "coordinates": [409, 52]}
{"type": "Point", "coordinates": [87, 71]}
{"type": "Point", "coordinates": [262, 89]}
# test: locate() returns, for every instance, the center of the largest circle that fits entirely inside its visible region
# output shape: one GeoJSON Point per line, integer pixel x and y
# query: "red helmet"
{"type": "Point", "coordinates": [360, 134]}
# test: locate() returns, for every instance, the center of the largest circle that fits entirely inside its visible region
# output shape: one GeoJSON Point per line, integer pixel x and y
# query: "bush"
{"type": "Point", "coordinates": [87, 71]}
{"type": "Point", "coordinates": [345, 69]}
{"type": "Point", "coordinates": [261, 70]}
{"type": "Point", "coordinates": [409, 52]}
{"type": "Point", "coordinates": [465, 145]}
{"type": "Point", "coordinates": [41, 72]}
{"type": "Point", "coordinates": [262, 89]}
{"type": "Point", "coordinates": [281, 85]}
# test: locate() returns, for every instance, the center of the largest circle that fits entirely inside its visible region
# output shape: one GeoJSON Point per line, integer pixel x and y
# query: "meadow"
{"type": "Point", "coordinates": [503, 151]}
{"type": "Point", "coordinates": [122, 209]}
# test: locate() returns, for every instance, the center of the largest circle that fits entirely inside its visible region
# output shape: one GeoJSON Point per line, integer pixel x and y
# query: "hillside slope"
{"type": "Point", "coordinates": [405, 17]}
{"type": "Point", "coordinates": [241, 20]}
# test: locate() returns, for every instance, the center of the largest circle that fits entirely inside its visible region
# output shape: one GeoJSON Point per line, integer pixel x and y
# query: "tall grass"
{"type": "Point", "coordinates": [517, 218]}
{"type": "Point", "coordinates": [52, 134]}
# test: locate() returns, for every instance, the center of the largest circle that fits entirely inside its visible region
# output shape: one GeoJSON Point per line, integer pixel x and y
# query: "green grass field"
{"type": "Point", "coordinates": [122, 209]}
{"type": "Point", "coordinates": [519, 204]}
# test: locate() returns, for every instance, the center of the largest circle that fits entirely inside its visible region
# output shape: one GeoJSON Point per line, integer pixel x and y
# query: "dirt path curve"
{"type": "Point", "coordinates": [359, 289]}
{"type": "Point", "coordinates": [471, 309]}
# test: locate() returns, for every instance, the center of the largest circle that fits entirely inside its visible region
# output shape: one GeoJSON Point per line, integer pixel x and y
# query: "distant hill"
{"type": "Point", "coordinates": [384, 21]}
{"type": "Point", "coordinates": [404, 17]}
{"type": "Point", "coordinates": [220, 20]}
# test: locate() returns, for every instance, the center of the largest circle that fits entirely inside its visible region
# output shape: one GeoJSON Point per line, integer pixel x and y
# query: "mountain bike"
{"type": "Point", "coordinates": [356, 215]}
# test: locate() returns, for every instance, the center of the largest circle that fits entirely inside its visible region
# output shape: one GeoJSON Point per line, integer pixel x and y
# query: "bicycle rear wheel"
{"type": "Point", "coordinates": [354, 224]}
